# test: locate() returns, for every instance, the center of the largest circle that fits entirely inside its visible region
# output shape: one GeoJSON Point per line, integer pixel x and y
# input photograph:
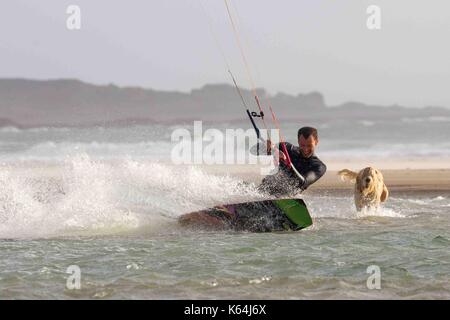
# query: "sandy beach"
{"type": "Point", "coordinates": [413, 176]}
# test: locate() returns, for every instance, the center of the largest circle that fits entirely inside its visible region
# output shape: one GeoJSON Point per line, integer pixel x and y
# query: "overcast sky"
{"type": "Point", "coordinates": [293, 46]}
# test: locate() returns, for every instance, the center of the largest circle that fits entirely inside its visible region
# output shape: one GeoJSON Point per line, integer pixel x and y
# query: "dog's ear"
{"type": "Point", "coordinates": [384, 194]}
{"type": "Point", "coordinates": [348, 175]}
{"type": "Point", "coordinates": [379, 174]}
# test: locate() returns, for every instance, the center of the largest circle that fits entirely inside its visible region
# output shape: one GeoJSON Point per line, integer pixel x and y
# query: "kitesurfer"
{"type": "Point", "coordinates": [309, 167]}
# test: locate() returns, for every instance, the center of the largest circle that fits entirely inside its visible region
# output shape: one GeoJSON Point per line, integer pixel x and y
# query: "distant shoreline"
{"type": "Point", "coordinates": [26, 103]}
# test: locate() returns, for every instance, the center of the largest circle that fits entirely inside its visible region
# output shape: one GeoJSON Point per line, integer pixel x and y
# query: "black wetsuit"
{"type": "Point", "coordinates": [286, 182]}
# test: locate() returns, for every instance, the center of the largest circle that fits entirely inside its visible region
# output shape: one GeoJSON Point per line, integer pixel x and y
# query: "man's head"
{"type": "Point", "coordinates": [307, 140]}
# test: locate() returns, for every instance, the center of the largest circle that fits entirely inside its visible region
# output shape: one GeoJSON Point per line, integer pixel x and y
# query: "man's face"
{"type": "Point", "coordinates": [307, 146]}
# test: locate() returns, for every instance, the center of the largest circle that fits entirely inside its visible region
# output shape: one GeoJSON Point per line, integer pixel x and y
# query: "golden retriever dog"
{"type": "Point", "coordinates": [370, 189]}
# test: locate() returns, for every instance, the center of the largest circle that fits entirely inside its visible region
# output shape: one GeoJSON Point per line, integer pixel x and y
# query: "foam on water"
{"type": "Point", "coordinates": [81, 201]}
{"type": "Point", "coordinates": [379, 212]}
{"type": "Point", "coordinates": [95, 197]}
{"type": "Point", "coordinates": [52, 150]}
{"type": "Point", "coordinates": [342, 207]}
{"type": "Point", "coordinates": [9, 129]}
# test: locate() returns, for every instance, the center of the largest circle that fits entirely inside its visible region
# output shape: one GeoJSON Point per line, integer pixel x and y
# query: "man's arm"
{"type": "Point", "coordinates": [281, 151]}
{"type": "Point", "coordinates": [278, 150]}
{"type": "Point", "coordinates": [313, 175]}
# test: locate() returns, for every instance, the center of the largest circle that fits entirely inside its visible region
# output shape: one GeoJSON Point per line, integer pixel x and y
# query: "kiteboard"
{"type": "Point", "coordinates": [258, 216]}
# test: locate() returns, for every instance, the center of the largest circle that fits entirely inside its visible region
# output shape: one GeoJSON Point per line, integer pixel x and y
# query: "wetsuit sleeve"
{"type": "Point", "coordinates": [288, 147]}
{"type": "Point", "coordinates": [316, 172]}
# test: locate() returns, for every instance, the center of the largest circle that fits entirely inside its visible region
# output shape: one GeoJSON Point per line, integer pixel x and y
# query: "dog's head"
{"type": "Point", "coordinates": [369, 180]}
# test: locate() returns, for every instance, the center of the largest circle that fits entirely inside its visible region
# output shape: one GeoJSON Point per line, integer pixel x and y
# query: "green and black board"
{"type": "Point", "coordinates": [258, 216]}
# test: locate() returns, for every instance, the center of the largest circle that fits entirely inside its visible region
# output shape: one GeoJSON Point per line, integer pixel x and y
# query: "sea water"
{"type": "Point", "coordinates": [101, 200]}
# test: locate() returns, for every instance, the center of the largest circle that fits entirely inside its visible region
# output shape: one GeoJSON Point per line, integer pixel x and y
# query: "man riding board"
{"type": "Point", "coordinates": [308, 166]}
